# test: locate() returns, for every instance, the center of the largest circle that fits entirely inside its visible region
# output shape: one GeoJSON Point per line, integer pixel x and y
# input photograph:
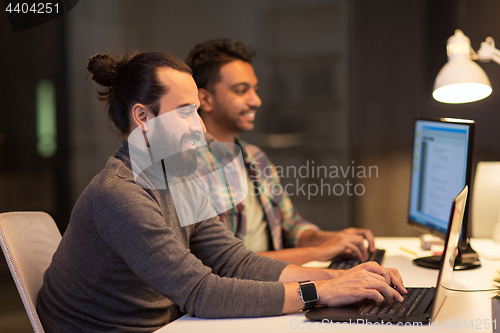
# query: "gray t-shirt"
{"type": "Point", "coordinates": [125, 264]}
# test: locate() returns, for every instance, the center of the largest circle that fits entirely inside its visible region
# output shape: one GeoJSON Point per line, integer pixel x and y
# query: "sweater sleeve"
{"type": "Point", "coordinates": [227, 255]}
{"type": "Point", "coordinates": [132, 223]}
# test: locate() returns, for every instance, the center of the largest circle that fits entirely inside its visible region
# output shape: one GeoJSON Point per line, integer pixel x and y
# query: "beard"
{"type": "Point", "coordinates": [177, 162]}
{"type": "Point", "coordinates": [181, 164]}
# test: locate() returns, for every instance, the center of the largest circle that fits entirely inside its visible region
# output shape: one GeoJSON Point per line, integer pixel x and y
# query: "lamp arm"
{"type": "Point", "coordinates": [488, 52]}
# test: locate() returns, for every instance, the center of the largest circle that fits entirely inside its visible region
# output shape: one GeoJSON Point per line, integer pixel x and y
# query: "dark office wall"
{"type": "Point", "coordinates": [398, 48]}
{"type": "Point", "coordinates": [28, 180]}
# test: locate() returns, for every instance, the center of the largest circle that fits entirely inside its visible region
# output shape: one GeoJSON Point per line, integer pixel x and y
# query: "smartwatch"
{"type": "Point", "coordinates": [308, 294]}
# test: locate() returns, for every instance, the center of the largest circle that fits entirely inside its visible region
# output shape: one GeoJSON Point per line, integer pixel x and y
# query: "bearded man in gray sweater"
{"type": "Point", "coordinates": [143, 244]}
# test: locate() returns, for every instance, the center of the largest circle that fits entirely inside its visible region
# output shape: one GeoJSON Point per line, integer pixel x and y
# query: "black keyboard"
{"type": "Point", "coordinates": [398, 309]}
{"type": "Point", "coordinates": [339, 263]}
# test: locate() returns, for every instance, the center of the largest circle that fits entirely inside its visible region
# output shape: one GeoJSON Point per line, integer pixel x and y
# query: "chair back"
{"type": "Point", "coordinates": [28, 241]}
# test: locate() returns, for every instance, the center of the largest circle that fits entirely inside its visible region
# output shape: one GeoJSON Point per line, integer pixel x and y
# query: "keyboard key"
{"type": "Point", "coordinates": [395, 308]}
{"type": "Point", "coordinates": [385, 308]}
{"type": "Point", "coordinates": [367, 308]}
{"type": "Point", "coordinates": [375, 310]}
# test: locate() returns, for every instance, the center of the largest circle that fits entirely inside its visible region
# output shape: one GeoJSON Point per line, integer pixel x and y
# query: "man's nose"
{"type": "Point", "coordinates": [197, 125]}
{"type": "Point", "coordinates": [254, 99]}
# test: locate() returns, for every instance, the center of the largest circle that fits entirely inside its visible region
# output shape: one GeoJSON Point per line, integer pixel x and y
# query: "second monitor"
{"type": "Point", "coordinates": [441, 167]}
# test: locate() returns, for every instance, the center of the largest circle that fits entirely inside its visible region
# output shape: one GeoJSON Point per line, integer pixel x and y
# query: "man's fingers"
{"type": "Point", "coordinates": [377, 269]}
{"type": "Point", "coordinates": [397, 280]}
{"type": "Point", "coordinates": [366, 281]}
{"type": "Point", "coordinates": [374, 295]}
{"type": "Point", "coordinates": [360, 250]}
{"type": "Point", "coordinates": [366, 233]}
{"type": "Point", "coordinates": [371, 239]}
{"type": "Point", "coordinates": [389, 293]}
{"type": "Point", "coordinates": [390, 276]}
{"type": "Point", "coordinates": [355, 250]}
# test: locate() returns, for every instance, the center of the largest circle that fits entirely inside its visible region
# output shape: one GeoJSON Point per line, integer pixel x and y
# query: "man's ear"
{"type": "Point", "coordinates": [206, 100]}
{"type": "Point", "coordinates": [140, 115]}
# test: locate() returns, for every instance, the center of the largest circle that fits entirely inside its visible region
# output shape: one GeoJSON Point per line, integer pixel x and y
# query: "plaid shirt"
{"type": "Point", "coordinates": [285, 223]}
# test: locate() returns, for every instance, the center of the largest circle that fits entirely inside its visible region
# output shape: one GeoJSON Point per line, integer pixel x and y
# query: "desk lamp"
{"type": "Point", "coordinates": [461, 80]}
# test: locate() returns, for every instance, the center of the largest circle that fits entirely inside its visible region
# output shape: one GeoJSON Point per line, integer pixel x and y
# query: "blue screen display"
{"type": "Point", "coordinates": [440, 151]}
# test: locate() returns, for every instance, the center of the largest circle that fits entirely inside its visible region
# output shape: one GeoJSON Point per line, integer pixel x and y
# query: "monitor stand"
{"type": "Point", "coordinates": [465, 259]}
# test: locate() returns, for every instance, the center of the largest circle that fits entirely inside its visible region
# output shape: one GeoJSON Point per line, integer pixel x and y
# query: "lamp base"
{"type": "Point", "coordinates": [466, 259]}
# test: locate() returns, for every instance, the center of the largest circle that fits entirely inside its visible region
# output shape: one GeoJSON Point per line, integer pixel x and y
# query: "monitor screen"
{"type": "Point", "coordinates": [442, 158]}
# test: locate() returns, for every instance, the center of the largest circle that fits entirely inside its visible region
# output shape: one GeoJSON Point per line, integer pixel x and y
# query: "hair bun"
{"type": "Point", "coordinates": [103, 69]}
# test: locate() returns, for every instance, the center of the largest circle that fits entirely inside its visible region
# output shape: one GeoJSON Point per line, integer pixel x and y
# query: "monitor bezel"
{"type": "Point", "coordinates": [466, 230]}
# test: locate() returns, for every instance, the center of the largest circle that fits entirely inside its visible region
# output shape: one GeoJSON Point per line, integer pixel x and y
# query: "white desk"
{"type": "Point", "coordinates": [461, 312]}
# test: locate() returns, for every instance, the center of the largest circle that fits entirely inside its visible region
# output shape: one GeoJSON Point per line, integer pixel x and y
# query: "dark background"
{"type": "Point", "coordinates": [341, 81]}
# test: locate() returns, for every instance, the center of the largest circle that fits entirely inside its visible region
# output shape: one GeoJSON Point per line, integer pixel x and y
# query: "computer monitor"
{"type": "Point", "coordinates": [441, 167]}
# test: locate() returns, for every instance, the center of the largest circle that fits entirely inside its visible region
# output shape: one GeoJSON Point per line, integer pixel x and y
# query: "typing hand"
{"type": "Point", "coordinates": [366, 281]}
{"type": "Point", "coordinates": [345, 244]}
{"type": "Point", "coordinates": [367, 234]}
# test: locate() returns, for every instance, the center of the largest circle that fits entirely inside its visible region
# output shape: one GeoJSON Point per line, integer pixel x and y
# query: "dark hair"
{"type": "Point", "coordinates": [207, 58]}
{"type": "Point", "coordinates": [130, 80]}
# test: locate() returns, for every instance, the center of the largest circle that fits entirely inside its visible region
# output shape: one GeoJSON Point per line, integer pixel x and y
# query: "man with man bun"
{"type": "Point", "coordinates": [126, 264]}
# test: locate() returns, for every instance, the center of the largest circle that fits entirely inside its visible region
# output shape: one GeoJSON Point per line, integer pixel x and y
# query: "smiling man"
{"type": "Point", "coordinates": [268, 223]}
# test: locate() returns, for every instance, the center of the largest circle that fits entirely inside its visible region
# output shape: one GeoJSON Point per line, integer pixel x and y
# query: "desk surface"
{"type": "Point", "coordinates": [461, 312]}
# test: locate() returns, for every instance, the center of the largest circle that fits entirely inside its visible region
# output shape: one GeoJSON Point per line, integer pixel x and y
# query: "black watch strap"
{"type": "Point", "coordinates": [308, 294]}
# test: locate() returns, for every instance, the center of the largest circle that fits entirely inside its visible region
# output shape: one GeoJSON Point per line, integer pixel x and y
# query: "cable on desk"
{"type": "Point", "coordinates": [470, 290]}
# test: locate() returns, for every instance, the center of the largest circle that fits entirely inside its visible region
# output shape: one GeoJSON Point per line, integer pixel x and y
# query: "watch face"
{"type": "Point", "coordinates": [308, 291]}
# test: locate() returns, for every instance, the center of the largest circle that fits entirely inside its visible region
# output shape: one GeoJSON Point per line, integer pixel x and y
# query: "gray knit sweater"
{"type": "Point", "coordinates": [125, 264]}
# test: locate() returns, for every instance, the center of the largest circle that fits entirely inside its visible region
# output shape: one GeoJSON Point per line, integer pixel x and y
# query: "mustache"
{"type": "Point", "coordinates": [191, 137]}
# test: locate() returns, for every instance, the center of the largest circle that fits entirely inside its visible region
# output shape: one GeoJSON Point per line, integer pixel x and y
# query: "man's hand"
{"type": "Point", "coordinates": [366, 233]}
{"type": "Point", "coordinates": [336, 288]}
{"type": "Point", "coordinates": [342, 243]}
{"type": "Point", "coordinates": [365, 281]}
{"type": "Point", "coordinates": [329, 244]}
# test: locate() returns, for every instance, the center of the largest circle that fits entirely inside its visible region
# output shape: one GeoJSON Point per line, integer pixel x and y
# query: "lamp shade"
{"type": "Point", "coordinates": [460, 80]}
